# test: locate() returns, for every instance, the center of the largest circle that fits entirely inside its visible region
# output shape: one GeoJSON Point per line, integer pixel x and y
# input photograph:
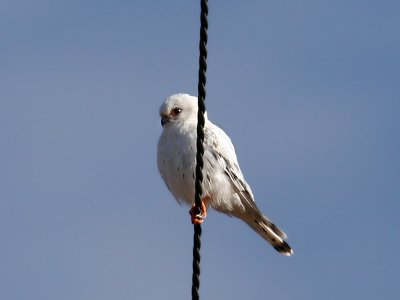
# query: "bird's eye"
{"type": "Point", "coordinates": [176, 111]}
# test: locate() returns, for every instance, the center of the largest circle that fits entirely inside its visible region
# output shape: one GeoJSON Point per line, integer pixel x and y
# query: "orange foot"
{"type": "Point", "coordinates": [198, 216]}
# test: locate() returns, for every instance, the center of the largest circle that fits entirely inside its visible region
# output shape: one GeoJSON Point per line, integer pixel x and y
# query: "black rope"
{"type": "Point", "coordinates": [200, 148]}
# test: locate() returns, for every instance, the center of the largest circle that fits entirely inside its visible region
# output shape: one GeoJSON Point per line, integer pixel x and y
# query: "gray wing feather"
{"type": "Point", "coordinates": [221, 147]}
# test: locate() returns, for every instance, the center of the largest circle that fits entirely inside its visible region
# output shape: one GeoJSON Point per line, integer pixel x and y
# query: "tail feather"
{"type": "Point", "coordinates": [274, 228]}
{"type": "Point", "coordinates": [284, 248]}
{"type": "Point", "coordinates": [270, 232]}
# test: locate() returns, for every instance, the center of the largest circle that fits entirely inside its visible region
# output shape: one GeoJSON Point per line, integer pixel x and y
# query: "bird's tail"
{"type": "Point", "coordinates": [270, 232]}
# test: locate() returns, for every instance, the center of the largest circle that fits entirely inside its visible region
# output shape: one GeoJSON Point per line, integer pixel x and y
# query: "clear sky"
{"type": "Point", "coordinates": [307, 90]}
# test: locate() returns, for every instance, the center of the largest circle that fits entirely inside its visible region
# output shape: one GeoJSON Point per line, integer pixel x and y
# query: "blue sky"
{"type": "Point", "coordinates": [308, 92]}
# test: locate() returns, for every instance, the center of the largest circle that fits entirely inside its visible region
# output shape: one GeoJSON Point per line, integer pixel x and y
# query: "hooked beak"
{"type": "Point", "coordinates": [164, 120]}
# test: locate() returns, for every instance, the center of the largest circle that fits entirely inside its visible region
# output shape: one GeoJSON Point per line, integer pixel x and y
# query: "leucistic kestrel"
{"type": "Point", "coordinates": [224, 187]}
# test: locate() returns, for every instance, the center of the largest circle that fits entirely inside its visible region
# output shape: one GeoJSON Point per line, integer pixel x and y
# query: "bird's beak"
{"type": "Point", "coordinates": [164, 120]}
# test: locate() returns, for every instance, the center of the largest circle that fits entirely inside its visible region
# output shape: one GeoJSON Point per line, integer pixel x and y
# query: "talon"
{"type": "Point", "coordinates": [198, 216]}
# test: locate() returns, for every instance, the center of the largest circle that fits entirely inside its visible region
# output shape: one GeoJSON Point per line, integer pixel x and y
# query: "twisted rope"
{"type": "Point", "coordinates": [200, 147]}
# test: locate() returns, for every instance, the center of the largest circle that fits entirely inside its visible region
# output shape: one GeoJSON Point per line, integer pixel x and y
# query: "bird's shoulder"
{"type": "Point", "coordinates": [219, 141]}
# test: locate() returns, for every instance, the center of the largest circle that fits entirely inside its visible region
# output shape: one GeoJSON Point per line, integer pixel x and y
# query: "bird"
{"type": "Point", "coordinates": [224, 187]}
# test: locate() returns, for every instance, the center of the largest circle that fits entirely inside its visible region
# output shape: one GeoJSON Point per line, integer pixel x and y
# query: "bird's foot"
{"type": "Point", "coordinates": [198, 214]}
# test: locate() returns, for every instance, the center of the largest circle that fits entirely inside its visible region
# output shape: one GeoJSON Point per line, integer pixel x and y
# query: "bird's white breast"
{"type": "Point", "coordinates": [176, 160]}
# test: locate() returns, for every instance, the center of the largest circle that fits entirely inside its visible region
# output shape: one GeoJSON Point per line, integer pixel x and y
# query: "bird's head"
{"type": "Point", "coordinates": [178, 108]}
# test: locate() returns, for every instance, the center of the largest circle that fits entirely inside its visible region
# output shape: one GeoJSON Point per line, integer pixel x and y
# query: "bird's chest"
{"type": "Point", "coordinates": [177, 162]}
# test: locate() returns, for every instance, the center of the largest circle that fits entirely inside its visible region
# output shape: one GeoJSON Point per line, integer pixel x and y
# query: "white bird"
{"type": "Point", "coordinates": [224, 187]}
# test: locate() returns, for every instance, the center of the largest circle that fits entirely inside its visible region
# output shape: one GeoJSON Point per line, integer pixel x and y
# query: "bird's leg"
{"type": "Point", "coordinates": [198, 214]}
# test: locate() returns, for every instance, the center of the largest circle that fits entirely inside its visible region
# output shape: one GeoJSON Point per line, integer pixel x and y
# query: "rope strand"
{"type": "Point", "coordinates": [200, 147]}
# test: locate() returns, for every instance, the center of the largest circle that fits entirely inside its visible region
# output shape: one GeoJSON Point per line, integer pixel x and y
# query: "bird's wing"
{"type": "Point", "coordinates": [222, 149]}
